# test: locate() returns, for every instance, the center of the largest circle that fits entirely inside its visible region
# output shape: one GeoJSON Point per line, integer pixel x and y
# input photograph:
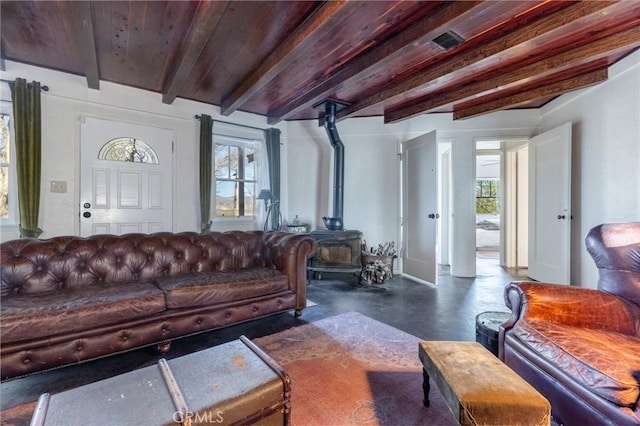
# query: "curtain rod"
{"type": "Point", "coordinates": [45, 88]}
{"type": "Point", "coordinates": [197, 117]}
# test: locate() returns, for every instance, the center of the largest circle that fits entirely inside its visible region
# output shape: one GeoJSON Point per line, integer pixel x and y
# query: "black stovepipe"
{"type": "Point", "coordinates": [338, 159]}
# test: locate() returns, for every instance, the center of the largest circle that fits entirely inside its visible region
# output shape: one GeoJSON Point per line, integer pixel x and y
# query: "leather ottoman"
{"type": "Point", "coordinates": [478, 388]}
{"type": "Point", "coordinates": [233, 383]}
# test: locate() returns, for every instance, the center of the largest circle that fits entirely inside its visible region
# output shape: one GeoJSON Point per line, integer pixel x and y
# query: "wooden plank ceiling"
{"type": "Point", "coordinates": [279, 58]}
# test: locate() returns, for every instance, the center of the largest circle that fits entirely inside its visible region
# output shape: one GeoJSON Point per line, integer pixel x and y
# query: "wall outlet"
{"type": "Point", "coordinates": [59, 186]}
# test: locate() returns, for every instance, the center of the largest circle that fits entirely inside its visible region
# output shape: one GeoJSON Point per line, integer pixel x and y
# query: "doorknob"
{"type": "Point", "coordinates": [433, 216]}
{"type": "Point", "coordinates": [561, 217]}
{"type": "Point", "coordinates": [86, 214]}
{"type": "Point", "coordinates": [86, 205]}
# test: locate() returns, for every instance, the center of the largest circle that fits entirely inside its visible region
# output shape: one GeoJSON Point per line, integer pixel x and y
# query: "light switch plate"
{"type": "Point", "coordinates": [59, 186]}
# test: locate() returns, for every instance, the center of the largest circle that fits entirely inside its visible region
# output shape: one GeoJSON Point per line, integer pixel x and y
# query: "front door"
{"type": "Point", "coordinates": [126, 178]}
{"type": "Point", "coordinates": [420, 206]}
{"type": "Point", "coordinates": [550, 205]}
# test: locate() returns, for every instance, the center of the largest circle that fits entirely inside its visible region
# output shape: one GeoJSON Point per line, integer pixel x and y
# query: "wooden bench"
{"type": "Point", "coordinates": [478, 388]}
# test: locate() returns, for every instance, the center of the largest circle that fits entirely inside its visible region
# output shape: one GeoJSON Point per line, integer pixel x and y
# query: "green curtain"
{"type": "Point", "coordinates": [272, 141]}
{"type": "Point", "coordinates": [206, 164]}
{"type": "Point", "coordinates": [27, 122]}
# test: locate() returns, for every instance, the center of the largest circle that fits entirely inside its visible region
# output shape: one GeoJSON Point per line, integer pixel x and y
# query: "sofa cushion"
{"type": "Point", "coordinates": [603, 361]}
{"type": "Point", "coordinates": [28, 316]}
{"type": "Point", "coordinates": [210, 288]}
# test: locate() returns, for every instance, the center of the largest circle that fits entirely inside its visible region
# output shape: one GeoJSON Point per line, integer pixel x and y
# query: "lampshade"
{"type": "Point", "coordinates": [265, 194]}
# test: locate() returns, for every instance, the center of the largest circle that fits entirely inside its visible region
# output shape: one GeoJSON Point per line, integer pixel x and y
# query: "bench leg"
{"type": "Point", "coordinates": [426, 387]}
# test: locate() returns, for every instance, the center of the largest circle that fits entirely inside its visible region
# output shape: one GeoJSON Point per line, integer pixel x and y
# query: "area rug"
{"type": "Point", "coordinates": [345, 370]}
{"type": "Point", "coordinates": [352, 370]}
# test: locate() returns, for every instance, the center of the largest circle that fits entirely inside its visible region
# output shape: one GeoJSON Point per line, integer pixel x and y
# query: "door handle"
{"type": "Point", "coordinates": [86, 205]}
{"type": "Point", "coordinates": [86, 214]}
{"type": "Point", "coordinates": [433, 216]}
{"type": "Point", "coordinates": [561, 217]}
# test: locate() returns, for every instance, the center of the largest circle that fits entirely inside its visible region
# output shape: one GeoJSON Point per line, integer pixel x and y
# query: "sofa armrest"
{"type": "Point", "coordinates": [573, 306]}
{"type": "Point", "coordinates": [289, 253]}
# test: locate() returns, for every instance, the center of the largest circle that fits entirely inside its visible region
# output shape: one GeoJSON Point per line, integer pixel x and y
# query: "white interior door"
{"type": "Point", "coordinates": [126, 178]}
{"type": "Point", "coordinates": [420, 207]}
{"type": "Point", "coordinates": [550, 205]}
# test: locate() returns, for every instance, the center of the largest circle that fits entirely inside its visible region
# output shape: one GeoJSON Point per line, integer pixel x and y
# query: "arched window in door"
{"type": "Point", "coordinates": [128, 149]}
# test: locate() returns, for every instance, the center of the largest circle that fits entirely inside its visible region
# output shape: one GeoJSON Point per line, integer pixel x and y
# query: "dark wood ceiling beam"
{"type": "Point", "coordinates": [284, 55]}
{"type": "Point", "coordinates": [542, 92]}
{"type": "Point", "coordinates": [594, 51]}
{"type": "Point", "coordinates": [500, 45]}
{"type": "Point", "coordinates": [205, 21]}
{"type": "Point", "coordinates": [83, 23]}
{"type": "Point", "coordinates": [420, 32]}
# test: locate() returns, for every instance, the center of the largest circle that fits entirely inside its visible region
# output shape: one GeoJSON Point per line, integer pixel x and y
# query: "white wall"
{"type": "Point", "coordinates": [372, 173]}
{"type": "Point", "coordinates": [606, 156]}
{"type": "Point", "coordinates": [69, 97]}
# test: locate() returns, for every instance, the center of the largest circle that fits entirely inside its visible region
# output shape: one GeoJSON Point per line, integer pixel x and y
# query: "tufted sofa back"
{"type": "Point", "coordinates": [615, 248]}
{"type": "Point", "coordinates": [34, 266]}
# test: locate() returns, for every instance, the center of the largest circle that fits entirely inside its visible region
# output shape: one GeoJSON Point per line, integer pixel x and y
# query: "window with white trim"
{"type": "Point", "coordinates": [8, 188]}
{"type": "Point", "coordinates": [235, 171]}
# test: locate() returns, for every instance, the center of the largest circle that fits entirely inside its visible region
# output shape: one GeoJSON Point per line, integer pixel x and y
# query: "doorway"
{"type": "Point", "coordinates": [126, 178]}
{"type": "Point", "coordinates": [488, 203]}
{"type": "Point", "coordinates": [502, 204]}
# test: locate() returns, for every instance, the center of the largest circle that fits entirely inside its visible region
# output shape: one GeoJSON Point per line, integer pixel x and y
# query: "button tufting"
{"type": "Point", "coordinates": [79, 348]}
{"type": "Point", "coordinates": [227, 315]}
{"type": "Point", "coordinates": [255, 308]}
{"type": "Point", "coordinates": [26, 361]}
{"type": "Point", "coordinates": [199, 321]}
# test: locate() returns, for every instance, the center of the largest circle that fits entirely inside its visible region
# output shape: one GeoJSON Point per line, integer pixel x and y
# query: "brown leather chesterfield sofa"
{"type": "Point", "coordinates": [69, 299]}
{"type": "Point", "coordinates": [580, 347]}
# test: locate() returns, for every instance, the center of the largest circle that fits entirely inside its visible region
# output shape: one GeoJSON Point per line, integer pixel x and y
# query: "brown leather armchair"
{"type": "Point", "coordinates": [580, 347]}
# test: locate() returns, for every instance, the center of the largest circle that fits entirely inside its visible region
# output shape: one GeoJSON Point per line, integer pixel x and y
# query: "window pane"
{"type": "Point", "coordinates": [5, 144]}
{"type": "Point", "coordinates": [128, 149]}
{"type": "Point", "coordinates": [4, 192]}
{"type": "Point", "coordinates": [221, 160]}
{"type": "Point", "coordinates": [226, 162]}
{"type": "Point", "coordinates": [6, 139]}
{"type": "Point", "coordinates": [226, 199]}
{"type": "Point", "coordinates": [233, 162]}
{"type": "Point", "coordinates": [249, 199]}
{"type": "Point", "coordinates": [250, 164]}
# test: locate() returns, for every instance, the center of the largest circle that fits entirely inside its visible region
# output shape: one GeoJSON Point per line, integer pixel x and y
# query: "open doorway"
{"type": "Point", "coordinates": [502, 204]}
{"type": "Point", "coordinates": [488, 201]}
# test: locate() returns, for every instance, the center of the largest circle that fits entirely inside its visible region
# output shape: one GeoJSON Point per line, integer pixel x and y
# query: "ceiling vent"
{"type": "Point", "coordinates": [448, 40]}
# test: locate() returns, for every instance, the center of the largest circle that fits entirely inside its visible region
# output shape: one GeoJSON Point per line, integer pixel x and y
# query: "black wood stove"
{"type": "Point", "coordinates": [338, 249]}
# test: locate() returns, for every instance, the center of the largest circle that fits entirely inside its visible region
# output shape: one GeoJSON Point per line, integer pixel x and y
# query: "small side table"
{"type": "Point", "coordinates": [488, 327]}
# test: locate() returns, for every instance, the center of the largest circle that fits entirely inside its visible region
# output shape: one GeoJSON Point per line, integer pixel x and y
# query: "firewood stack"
{"type": "Point", "coordinates": [377, 262]}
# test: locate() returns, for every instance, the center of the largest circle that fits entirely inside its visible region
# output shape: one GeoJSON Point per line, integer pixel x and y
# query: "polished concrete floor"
{"type": "Point", "coordinates": [445, 311]}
